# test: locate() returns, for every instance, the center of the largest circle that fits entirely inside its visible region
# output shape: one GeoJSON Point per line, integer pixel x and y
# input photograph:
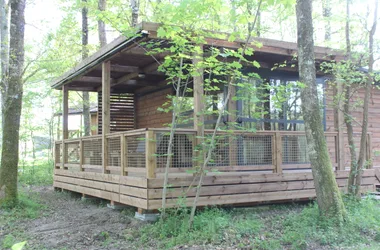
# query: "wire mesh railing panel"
{"type": "Point", "coordinates": [92, 151]}
{"type": "Point", "coordinates": [294, 149]}
{"type": "Point", "coordinates": [58, 153]}
{"type": "Point", "coordinates": [135, 150]}
{"type": "Point", "coordinates": [182, 150]}
{"type": "Point", "coordinates": [254, 150]}
{"type": "Point", "coordinates": [220, 155]}
{"type": "Point", "coordinates": [72, 152]}
{"type": "Point", "coordinates": [114, 151]}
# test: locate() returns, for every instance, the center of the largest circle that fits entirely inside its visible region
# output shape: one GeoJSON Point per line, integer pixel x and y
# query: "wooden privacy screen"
{"type": "Point", "coordinates": [122, 110]}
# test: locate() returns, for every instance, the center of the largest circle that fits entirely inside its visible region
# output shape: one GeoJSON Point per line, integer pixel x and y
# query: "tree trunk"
{"type": "Point", "coordinates": [101, 24]}
{"type": "Point", "coordinates": [326, 5]}
{"type": "Point", "coordinates": [4, 47]}
{"type": "Point", "coordinates": [135, 12]}
{"type": "Point", "coordinates": [86, 96]}
{"type": "Point", "coordinates": [12, 105]}
{"type": "Point", "coordinates": [328, 196]}
{"type": "Point", "coordinates": [347, 110]}
{"type": "Point", "coordinates": [363, 139]}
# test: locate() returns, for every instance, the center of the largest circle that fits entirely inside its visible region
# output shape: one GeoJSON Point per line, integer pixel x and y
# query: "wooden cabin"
{"type": "Point", "coordinates": [123, 163]}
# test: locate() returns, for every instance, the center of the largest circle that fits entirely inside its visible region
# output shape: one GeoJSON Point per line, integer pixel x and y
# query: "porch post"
{"type": "Point", "coordinates": [65, 123]}
{"type": "Point", "coordinates": [198, 92]}
{"type": "Point", "coordinates": [106, 90]}
{"type": "Point", "coordinates": [338, 121]}
{"type": "Point", "coordinates": [232, 110]}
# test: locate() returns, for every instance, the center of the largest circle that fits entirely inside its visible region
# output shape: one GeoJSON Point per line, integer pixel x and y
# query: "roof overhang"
{"type": "Point", "coordinates": [132, 68]}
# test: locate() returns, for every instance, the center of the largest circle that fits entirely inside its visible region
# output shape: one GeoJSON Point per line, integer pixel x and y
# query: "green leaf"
{"type": "Point", "coordinates": [19, 245]}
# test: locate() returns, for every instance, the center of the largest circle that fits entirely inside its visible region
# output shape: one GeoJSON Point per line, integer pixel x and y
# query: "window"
{"type": "Point", "coordinates": [274, 104]}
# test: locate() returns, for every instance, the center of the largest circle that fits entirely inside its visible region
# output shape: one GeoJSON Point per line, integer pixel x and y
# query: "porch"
{"type": "Point", "coordinates": [246, 168]}
{"type": "Point", "coordinates": [125, 162]}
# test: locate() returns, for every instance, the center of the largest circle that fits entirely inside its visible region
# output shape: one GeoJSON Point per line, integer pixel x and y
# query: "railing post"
{"type": "Point", "coordinates": [150, 148]}
{"type": "Point", "coordinates": [57, 156]}
{"type": "Point", "coordinates": [232, 146]}
{"type": "Point", "coordinates": [278, 153]}
{"type": "Point", "coordinates": [123, 155]}
{"type": "Point", "coordinates": [369, 150]}
{"type": "Point", "coordinates": [81, 155]}
{"type": "Point", "coordinates": [64, 155]}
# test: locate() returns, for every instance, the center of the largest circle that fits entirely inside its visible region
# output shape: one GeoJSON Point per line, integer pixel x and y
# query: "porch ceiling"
{"type": "Point", "coordinates": [132, 69]}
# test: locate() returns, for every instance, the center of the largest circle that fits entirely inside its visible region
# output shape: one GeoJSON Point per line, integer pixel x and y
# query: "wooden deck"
{"type": "Point", "coordinates": [246, 168]}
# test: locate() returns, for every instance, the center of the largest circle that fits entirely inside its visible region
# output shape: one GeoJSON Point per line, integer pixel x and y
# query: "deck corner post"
{"type": "Point", "coordinates": [106, 91]}
{"type": "Point", "coordinates": [65, 123]}
{"type": "Point", "coordinates": [278, 153]}
{"type": "Point", "coordinates": [150, 150]}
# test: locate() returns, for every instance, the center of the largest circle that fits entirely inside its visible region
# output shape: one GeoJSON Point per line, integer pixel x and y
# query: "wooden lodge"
{"type": "Point", "coordinates": [124, 162]}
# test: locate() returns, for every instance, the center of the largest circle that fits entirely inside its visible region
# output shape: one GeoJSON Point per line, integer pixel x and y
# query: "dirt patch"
{"type": "Point", "coordinates": [70, 223]}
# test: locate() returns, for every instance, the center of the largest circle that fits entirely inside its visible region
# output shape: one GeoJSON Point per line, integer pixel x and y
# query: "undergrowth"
{"type": "Point", "coordinates": [27, 208]}
{"type": "Point", "coordinates": [37, 174]}
{"type": "Point", "coordinates": [278, 227]}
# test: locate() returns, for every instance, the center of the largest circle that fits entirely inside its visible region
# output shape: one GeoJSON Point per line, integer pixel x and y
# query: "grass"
{"type": "Point", "coordinates": [269, 227]}
{"type": "Point", "coordinates": [28, 208]}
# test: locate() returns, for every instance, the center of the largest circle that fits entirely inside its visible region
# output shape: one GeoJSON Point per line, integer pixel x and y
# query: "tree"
{"type": "Point", "coordinates": [86, 95]}
{"type": "Point", "coordinates": [101, 24]}
{"type": "Point", "coordinates": [12, 104]}
{"type": "Point", "coordinates": [135, 12]}
{"type": "Point", "coordinates": [4, 46]}
{"type": "Point", "coordinates": [357, 167]}
{"type": "Point", "coordinates": [328, 195]}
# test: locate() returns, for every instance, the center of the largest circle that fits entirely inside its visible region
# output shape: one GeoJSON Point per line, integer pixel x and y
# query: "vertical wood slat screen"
{"type": "Point", "coordinates": [122, 109]}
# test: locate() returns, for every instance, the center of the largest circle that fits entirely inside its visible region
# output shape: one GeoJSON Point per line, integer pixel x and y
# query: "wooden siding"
{"type": "Point", "coordinates": [147, 115]}
{"type": "Point", "coordinates": [373, 123]}
{"type": "Point", "coordinates": [122, 111]}
{"type": "Point", "coordinates": [218, 188]}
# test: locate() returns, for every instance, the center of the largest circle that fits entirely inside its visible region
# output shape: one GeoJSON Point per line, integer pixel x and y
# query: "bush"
{"type": "Point", "coordinates": [39, 174]}
{"type": "Point", "coordinates": [211, 225]}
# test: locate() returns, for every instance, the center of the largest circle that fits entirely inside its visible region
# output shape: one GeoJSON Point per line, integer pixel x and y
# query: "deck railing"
{"type": "Point", "coordinates": [143, 152]}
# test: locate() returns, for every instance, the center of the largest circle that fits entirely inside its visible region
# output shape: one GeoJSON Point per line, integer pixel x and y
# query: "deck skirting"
{"type": "Point", "coordinates": [227, 188]}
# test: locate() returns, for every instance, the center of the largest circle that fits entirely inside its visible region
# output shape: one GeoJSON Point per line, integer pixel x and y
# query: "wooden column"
{"type": "Point", "coordinates": [369, 151]}
{"type": "Point", "coordinates": [81, 155]}
{"type": "Point", "coordinates": [338, 122]}
{"type": "Point", "coordinates": [198, 100]}
{"type": "Point", "coordinates": [106, 91]}
{"type": "Point", "coordinates": [65, 122]}
{"type": "Point", "coordinates": [232, 114]}
{"type": "Point", "coordinates": [150, 158]}
{"type": "Point", "coordinates": [123, 155]}
{"type": "Point", "coordinates": [278, 152]}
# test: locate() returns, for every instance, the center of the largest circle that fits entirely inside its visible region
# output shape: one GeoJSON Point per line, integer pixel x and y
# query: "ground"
{"type": "Point", "coordinates": [61, 220]}
{"type": "Point", "coordinates": [69, 223]}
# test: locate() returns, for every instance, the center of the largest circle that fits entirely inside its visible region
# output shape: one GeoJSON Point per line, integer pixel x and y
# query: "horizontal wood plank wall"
{"type": "Point", "coordinates": [373, 123]}
{"type": "Point", "coordinates": [122, 112]}
{"type": "Point", "coordinates": [147, 115]}
{"type": "Point", "coordinates": [225, 188]}
{"type": "Point", "coordinates": [124, 189]}
{"type": "Point", "coordinates": [218, 188]}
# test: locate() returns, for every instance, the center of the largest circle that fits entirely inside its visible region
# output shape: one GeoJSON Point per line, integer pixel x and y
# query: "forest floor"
{"type": "Point", "coordinates": [61, 220]}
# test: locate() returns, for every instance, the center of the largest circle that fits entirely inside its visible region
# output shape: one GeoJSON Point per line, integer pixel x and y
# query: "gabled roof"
{"type": "Point", "coordinates": [132, 69]}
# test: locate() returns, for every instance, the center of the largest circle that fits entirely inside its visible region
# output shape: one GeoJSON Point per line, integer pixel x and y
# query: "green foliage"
{"type": "Point", "coordinates": [19, 246]}
{"type": "Point", "coordinates": [28, 207]}
{"type": "Point", "coordinates": [37, 173]}
{"type": "Point", "coordinates": [362, 226]}
{"type": "Point", "coordinates": [211, 225]}
{"type": "Point", "coordinates": [268, 227]}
